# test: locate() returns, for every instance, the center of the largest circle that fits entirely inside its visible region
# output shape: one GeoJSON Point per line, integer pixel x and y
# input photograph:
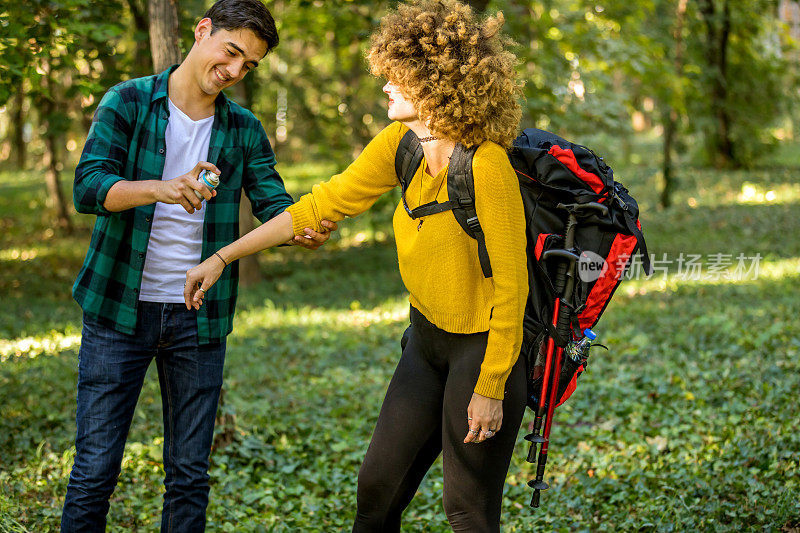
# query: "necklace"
{"type": "Point", "coordinates": [428, 139]}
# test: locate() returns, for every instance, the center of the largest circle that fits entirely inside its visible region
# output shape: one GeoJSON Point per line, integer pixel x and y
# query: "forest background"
{"type": "Point", "coordinates": [687, 424]}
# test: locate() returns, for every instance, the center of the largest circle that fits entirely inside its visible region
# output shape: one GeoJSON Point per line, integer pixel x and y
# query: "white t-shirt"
{"type": "Point", "coordinates": [176, 237]}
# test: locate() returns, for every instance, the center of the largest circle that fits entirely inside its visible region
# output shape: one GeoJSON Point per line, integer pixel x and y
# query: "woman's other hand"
{"type": "Point", "coordinates": [484, 417]}
{"type": "Point", "coordinates": [200, 279]}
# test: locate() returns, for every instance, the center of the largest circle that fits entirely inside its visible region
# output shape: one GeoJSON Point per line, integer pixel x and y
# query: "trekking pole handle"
{"type": "Point", "coordinates": [588, 206]}
{"type": "Point", "coordinates": [564, 254]}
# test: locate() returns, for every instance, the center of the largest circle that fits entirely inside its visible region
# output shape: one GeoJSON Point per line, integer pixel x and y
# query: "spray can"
{"type": "Point", "coordinates": [209, 179]}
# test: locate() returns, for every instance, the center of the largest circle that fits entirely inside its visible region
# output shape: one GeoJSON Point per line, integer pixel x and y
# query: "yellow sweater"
{"type": "Point", "coordinates": [439, 261]}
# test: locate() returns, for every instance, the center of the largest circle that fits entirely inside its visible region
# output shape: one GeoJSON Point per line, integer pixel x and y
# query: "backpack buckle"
{"type": "Point", "coordinates": [618, 197]}
{"type": "Point", "coordinates": [473, 224]}
{"type": "Point", "coordinates": [466, 203]}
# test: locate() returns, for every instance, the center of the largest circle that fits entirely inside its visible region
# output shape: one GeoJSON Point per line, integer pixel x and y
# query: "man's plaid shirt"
{"type": "Point", "coordinates": [126, 142]}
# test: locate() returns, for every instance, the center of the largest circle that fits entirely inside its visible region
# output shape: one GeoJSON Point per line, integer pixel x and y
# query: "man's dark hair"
{"type": "Point", "coordinates": [251, 15]}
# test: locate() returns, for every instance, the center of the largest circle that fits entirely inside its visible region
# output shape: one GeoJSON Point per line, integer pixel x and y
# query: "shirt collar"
{"type": "Point", "coordinates": [162, 84]}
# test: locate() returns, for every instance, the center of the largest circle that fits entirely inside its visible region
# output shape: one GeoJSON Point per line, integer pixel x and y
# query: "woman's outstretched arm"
{"type": "Point", "coordinates": [200, 278]}
{"type": "Point", "coordinates": [344, 195]}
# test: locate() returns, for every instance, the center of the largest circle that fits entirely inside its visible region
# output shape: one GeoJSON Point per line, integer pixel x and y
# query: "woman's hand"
{"type": "Point", "coordinates": [200, 279]}
{"type": "Point", "coordinates": [312, 239]}
{"type": "Point", "coordinates": [484, 417]}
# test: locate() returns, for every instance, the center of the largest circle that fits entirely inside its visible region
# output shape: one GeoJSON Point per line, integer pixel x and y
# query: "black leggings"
{"type": "Point", "coordinates": [424, 414]}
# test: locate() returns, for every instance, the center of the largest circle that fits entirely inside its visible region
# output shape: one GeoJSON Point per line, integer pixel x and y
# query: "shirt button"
{"type": "Point", "coordinates": [136, 291]}
{"type": "Point", "coordinates": [147, 219]}
{"type": "Point", "coordinates": [141, 254]}
{"type": "Point", "coordinates": [160, 150]}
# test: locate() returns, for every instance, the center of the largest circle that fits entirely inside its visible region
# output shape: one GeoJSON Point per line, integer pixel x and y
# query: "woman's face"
{"type": "Point", "coordinates": [400, 108]}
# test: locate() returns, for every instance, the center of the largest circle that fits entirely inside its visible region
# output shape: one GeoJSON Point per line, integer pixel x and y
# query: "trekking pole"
{"type": "Point", "coordinates": [565, 279]}
{"type": "Point", "coordinates": [535, 436]}
{"type": "Point", "coordinates": [552, 367]}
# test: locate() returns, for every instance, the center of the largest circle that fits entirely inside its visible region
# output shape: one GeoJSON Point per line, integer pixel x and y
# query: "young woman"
{"type": "Point", "coordinates": [459, 387]}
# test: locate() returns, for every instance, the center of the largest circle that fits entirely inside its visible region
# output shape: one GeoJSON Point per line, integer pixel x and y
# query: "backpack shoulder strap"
{"type": "Point", "coordinates": [407, 159]}
{"type": "Point", "coordinates": [461, 191]}
{"type": "Point", "coordinates": [406, 162]}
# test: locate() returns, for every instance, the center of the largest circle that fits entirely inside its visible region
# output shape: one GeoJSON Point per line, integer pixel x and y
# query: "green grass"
{"type": "Point", "coordinates": [688, 423]}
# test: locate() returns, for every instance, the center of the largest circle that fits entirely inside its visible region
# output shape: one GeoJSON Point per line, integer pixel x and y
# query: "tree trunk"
{"type": "Point", "coordinates": [54, 193]}
{"type": "Point", "coordinates": [48, 110]}
{"type": "Point", "coordinates": [249, 269]}
{"type": "Point", "coordinates": [164, 31]}
{"type": "Point", "coordinates": [225, 422]}
{"type": "Point", "coordinates": [143, 61]}
{"type": "Point", "coordinates": [18, 145]}
{"type": "Point", "coordinates": [618, 82]}
{"type": "Point", "coordinates": [671, 114]}
{"type": "Point", "coordinates": [723, 116]}
{"type": "Point", "coordinates": [349, 92]}
{"type": "Point", "coordinates": [717, 37]}
{"type": "Point", "coordinates": [670, 131]}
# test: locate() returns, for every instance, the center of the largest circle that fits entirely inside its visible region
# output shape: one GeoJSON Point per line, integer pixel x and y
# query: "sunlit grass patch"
{"type": "Point", "coordinates": [783, 193]}
{"type": "Point", "coordinates": [352, 317]}
{"type": "Point", "coordinates": [753, 268]}
{"type": "Point", "coordinates": [15, 254]}
{"type": "Point", "coordinates": [31, 347]}
{"type": "Point", "coordinates": [751, 194]}
{"type": "Point", "coordinates": [699, 188]}
{"type": "Point", "coordinates": [300, 177]}
{"type": "Point", "coordinates": [27, 254]}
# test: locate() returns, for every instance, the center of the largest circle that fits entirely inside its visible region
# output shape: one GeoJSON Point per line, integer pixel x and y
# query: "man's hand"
{"type": "Point", "coordinates": [312, 239]}
{"type": "Point", "coordinates": [180, 190]}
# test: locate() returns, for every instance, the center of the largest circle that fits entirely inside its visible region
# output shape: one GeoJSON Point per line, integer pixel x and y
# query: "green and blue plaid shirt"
{"type": "Point", "coordinates": [126, 142]}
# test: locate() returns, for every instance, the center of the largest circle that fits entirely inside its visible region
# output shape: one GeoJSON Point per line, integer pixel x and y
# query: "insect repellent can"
{"type": "Point", "coordinates": [209, 179]}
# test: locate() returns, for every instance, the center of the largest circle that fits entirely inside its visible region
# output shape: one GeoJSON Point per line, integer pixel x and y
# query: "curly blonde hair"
{"type": "Point", "coordinates": [453, 67]}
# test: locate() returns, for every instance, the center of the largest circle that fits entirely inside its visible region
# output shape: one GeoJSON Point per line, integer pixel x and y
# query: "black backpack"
{"type": "Point", "coordinates": [557, 180]}
{"type": "Point", "coordinates": [551, 170]}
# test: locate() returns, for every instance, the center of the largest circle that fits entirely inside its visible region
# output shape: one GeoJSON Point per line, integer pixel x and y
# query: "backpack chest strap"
{"type": "Point", "coordinates": [431, 208]}
{"type": "Point", "coordinates": [460, 190]}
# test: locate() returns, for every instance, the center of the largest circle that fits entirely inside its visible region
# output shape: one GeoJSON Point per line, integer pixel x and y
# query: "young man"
{"type": "Point", "coordinates": [149, 140]}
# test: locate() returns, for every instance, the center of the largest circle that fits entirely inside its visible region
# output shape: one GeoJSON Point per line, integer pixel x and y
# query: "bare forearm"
{"type": "Point", "coordinates": [200, 278]}
{"type": "Point", "coordinates": [129, 194]}
{"type": "Point", "coordinates": [275, 231]}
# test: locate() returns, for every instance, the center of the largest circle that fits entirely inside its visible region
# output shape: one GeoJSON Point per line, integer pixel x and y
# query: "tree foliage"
{"type": "Point", "coordinates": [589, 69]}
{"type": "Point", "coordinates": [740, 64]}
{"type": "Point", "coordinates": [56, 57]}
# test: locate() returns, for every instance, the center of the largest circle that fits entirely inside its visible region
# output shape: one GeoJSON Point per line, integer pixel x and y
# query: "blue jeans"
{"type": "Point", "coordinates": [111, 372]}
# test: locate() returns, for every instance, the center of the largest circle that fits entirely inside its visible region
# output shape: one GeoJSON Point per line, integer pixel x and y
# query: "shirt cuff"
{"type": "Point", "coordinates": [491, 386]}
{"type": "Point", "coordinates": [304, 216]}
{"type": "Point", "coordinates": [102, 193]}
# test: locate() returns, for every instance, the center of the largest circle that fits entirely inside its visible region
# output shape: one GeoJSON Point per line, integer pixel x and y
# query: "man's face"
{"type": "Point", "coordinates": [225, 57]}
